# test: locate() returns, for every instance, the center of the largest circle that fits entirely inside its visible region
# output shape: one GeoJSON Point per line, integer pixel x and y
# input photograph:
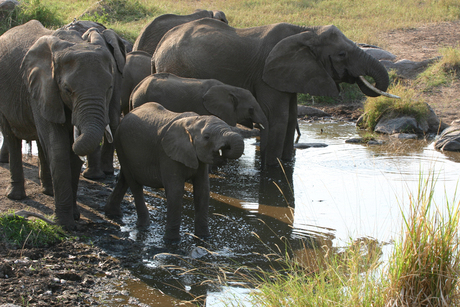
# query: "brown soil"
{"type": "Point", "coordinates": [75, 273]}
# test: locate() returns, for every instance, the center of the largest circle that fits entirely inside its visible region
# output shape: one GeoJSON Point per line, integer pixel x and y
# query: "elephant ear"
{"type": "Point", "coordinates": [38, 67]}
{"type": "Point", "coordinates": [219, 101]}
{"type": "Point", "coordinates": [108, 38]}
{"type": "Point", "coordinates": [177, 143]}
{"type": "Point", "coordinates": [292, 67]}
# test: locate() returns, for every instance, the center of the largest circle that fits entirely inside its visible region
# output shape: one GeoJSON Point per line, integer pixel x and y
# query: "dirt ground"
{"type": "Point", "coordinates": [75, 273]}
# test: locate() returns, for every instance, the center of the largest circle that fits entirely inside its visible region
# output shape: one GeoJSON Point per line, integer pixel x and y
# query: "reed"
{"type": "Point", "coordinates": [424, 269]}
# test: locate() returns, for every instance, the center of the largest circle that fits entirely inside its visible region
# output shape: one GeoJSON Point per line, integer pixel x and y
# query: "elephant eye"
{"type": "Point", "coordinates": [68, 89]}
{"type": "Point", "coordinates": [206, 137]}
{"type": "Point", "coordinates": [342, 54]}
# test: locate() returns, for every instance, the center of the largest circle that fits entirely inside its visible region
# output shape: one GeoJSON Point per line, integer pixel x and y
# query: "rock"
{"type": "Point", "coordinates": [408, 69]}
{"type": "Point", "coordinates": [311, 112]}
{"type": "Point", "coordinates": [8, 5]}
{"type": "Point", "coordinates": [405, 136]}
{"type": "Point", "coordinates": [449, 140]}
{"type": "Point", "coordinates": [379, 53]}
{"type": "Point", "coordinates": [402, 124]}
{"type": "Point", "coordinates": [308, 145]}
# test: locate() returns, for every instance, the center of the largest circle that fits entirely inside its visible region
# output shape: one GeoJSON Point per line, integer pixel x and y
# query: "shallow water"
{"type": "Point", "coordinates": [328, 195]}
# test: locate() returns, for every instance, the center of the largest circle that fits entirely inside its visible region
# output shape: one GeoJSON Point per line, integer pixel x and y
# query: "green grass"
{"type": "Point", "coordinates": [410, 104]}
{"type": "Point", "coordinates": [442, 72]}
{"type": "Point", "coordinates": [18, 232]}
{"type": "Point", "coordinates": [423, 268]}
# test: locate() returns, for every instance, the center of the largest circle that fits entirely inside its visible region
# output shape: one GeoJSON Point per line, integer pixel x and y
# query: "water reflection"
{"type": "Point", "coordinates": [325, 197]}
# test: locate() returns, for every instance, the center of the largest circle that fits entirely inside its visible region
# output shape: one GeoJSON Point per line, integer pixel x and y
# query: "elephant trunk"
{"type": "Point", "coordinates": [90, 125]}
{"type": "Point", "coordinates": [376, 70]}
{"type": "Point", "coordinates": [233, 147]}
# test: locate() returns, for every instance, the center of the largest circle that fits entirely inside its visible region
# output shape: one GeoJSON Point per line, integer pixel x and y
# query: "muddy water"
{"type": "Point", "coordinates": [328, 195]}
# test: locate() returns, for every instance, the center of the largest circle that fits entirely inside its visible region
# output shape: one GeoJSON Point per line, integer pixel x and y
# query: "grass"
{"type": "Point", "coordinates": [410, 104]}
{"type": "Point", "coordinates": [18, 232]}
{"type": "Point", "coordinates": [422, 270]}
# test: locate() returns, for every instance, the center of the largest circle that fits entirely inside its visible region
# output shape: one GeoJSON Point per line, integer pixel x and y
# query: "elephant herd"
{"type": "Point", "coordinates": [187, 81]}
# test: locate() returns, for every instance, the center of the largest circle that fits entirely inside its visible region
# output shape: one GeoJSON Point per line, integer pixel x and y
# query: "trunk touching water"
{"type": "Point", "coordinates": [377, 71]}
{"type": "Point", "coordinates": [90, 125]}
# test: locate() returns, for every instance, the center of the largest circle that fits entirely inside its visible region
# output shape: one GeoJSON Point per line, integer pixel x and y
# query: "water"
{"type": "Point", "coordinates": [328, 195]}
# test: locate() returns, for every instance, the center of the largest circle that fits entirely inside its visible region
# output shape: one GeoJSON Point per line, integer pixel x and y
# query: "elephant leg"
{"type": "Point", "coordinates": [201, 200]}
{"type": "Point", "coordinates": [288, 148]}
{"type": "Point", "coordinates": [112, 206]}
{"type": "Point", "coordinates": [174, 189]}
{"type": "Point", "coordinates": [93, 170]}
{"type": "Point", "coordinates": [16, 188]}
{"type": "Point", "coordinates": [143, 218]}
{"type": "Point", "coordinates": [107, 157]}
{"type": "Point", "coordinates": [4, 153]}
{"type": "Point", "coordinates": [44, 172]}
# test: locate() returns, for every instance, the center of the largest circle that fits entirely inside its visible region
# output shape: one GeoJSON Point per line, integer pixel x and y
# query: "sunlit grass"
{"type": "Point", "coordinates": [18, 232]}
{"type": "Point", "coordinates": [442, 72]}
{"type": "Point", "coordinates": [425, 265]}
{"type": "Point", "coordinates": [423, 268]}
{"type": "Point", "coordinates": [410, 104]}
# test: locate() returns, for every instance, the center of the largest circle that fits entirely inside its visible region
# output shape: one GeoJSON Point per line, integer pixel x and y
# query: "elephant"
{"type": "Point", "coordinates": [56, 88]}
{"type": "Point", "coordinates": [160, 148]}
{"type": "Point", "coordinates": [274, 62]}
{"type": "Point", "coordinates": [137, 67]}
{"type": "Point", "coordinates": [152, 33]}
{"type": "Point", "coordinates": [206, 97]}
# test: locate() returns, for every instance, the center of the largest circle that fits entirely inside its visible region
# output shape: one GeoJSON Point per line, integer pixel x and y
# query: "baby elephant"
{"type": "Point", "coordinates": [160, 148]}
{"type": "Point", "coordinates": [206, 97]}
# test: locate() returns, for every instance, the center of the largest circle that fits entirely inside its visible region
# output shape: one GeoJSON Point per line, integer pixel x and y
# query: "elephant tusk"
{"type": "Point", "coordinates": [108, 134]}
{"type": "Point", "coordinates": [377, 90]}
{"type": "Point", "coordinates": [261, 126]}
{"type": "Point", "coordinates": [220, 152]}
{"type": "Point", "coordinates": [76, 133]}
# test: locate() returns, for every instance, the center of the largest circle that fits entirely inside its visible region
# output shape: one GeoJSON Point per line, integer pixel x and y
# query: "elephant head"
{"type": "Point", "coordinates": [191, 139]}
{"type": "Point", "coordinates": [234, 105]}
{"type": "Point", "coordinates": [77, 78]}
{"type": "Point", "coordinates": [315, 61]}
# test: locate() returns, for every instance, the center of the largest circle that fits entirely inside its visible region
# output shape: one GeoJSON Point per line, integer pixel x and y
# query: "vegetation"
{"type": "Point", "coordinates": [422, 270]}
{"type": "Point", "coordinates": [18, 232]}
{"type": "Point", "coordinates": [410, 104]}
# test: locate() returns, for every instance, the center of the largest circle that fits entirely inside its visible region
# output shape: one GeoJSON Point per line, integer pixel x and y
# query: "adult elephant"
{"type": "Point", "coordinates": [203, 96]}
{"type": "Point", "coordinates": [152, 33]}
{"type": "Point", "coordinates": [160, 148]}
{"type": "Point", "coordinates": [136, 69]}
{"type": "Point", "coordinates": [56, 88]}
{"type": "Point", "coordinates": [274, 62]}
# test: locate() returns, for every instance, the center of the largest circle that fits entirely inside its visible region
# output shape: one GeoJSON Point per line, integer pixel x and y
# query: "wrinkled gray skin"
{"type": "Point", "coordinates": [206, 97]}
{"type": "Point", "coordinates": [274, 62]}
{"type": "Point", "coordinates": [171, 148]}
{"type": "Point", "coordinates": [136, 69]}
{"type": "Point", "coordinates": [51, 82]}
{"type": "Point", "coordinates": [152, 33]}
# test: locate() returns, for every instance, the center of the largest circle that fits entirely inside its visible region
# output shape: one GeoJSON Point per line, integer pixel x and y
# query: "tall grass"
{"type": "Point", "coordinates": [426, 262]}
{"type": "Point", "coordinates": [423, 268]}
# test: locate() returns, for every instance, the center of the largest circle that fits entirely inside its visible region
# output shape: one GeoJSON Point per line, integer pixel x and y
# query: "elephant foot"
{"type": "Point", "coordinates": [48, 191]}
{"type": "Point", "coordinates": [93, 174]}
{"type": "Point", "coordinates": [16, 191]}
{"type": "Point", "coordinates": [66, 222]}
{"type": "Point", "coordinates": [171, 237]}
{"type": "Point", "coordinates": [108, 170]}
{"type": "Point", "coordinates": [113, 211]}
{"type": "Point", "coordinates": [76, 214]}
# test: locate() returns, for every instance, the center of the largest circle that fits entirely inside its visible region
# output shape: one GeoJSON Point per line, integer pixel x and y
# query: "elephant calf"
{"type": "Point", "coordinates": [160, 148]}
{"type": "Point", "coordinates": [204, 96]}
